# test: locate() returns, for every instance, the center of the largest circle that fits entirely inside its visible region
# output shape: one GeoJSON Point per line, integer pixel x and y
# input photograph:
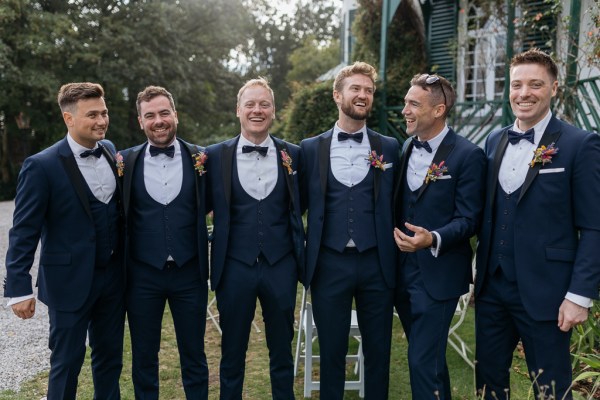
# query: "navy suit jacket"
{"type": "Point", "coordinates": [130, 157]}
{"type": "Point", "coordinates": [451, 207]}
{"type": "Point", "coordinates": [219, 168]}
{"type": "Point", "coordinates": [314, 172]}
{"type": "Point", "coordinates": [557, 221]}
{"type": "Point", "coordinates": [52, 204]}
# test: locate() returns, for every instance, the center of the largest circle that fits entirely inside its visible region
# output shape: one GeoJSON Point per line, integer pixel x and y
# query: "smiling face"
{"type": "Point", "coordinates": [87, 121]}
{"type": "Point", "coordinates": [355, 100]}
{"type": "Point", "coordinates": [531, 90]}
{"type": "Point", "coordinates": [256, 113]}
{"type": "Point", "coordinates": [423, 119]}
{"type": "Point", "coordinates": [159, 121]}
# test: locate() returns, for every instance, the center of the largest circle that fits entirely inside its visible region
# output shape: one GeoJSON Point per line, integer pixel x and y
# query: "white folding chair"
{"type": "Point", "coordinates": [454, 340]}
{"type": "Point", "coordinates": [307, 333]}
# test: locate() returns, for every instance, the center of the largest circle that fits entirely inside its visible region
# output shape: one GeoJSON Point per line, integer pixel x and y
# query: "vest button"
{"type": "Point", "coordinates": [350, 220]}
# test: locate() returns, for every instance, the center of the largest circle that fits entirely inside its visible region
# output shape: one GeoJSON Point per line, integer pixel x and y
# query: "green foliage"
{"type": "Point", "coordinates": [405, 48]}
{"type": "Point", "coordinates": [310, 112]}
{"type": "Point", "coordinates": [585, 347]}
{"type": "Point", "coordinates": [310, 61]}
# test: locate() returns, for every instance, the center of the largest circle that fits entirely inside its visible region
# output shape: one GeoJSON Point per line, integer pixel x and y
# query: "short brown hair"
{"type": "Point", "coordinates": [260, 81]}
{"type": "Point", "coordinates": [440, 88]}
{"type": "Point", "coordinates": [358, 67]}
{"type": "Point", "coordinates": [70, 93]}
{"type": "Point", "coordinates": [151, 92]}
{"type": "Point", "coordinates": [536, 56]}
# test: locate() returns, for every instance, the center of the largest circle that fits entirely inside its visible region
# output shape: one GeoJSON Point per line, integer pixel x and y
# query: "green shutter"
{"type": "Point", "coordinates": [441, 38]}
{"type": "Point", "coordinates": [540, 33]}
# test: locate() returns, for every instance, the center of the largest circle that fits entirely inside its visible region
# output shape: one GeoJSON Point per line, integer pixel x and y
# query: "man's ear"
{"type": "Point", "coordinates": [68, 118]}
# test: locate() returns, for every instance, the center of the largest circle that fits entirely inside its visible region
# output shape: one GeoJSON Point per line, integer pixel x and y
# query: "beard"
{"type": "Point", "coordinates": [356, 115]}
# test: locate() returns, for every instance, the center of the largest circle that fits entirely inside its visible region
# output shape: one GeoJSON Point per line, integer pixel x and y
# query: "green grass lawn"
{"type": "Point", "coordinates": [257, 386]}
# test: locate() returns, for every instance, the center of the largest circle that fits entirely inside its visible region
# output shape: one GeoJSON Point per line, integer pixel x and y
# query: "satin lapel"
{"type": "Point", "coordinates": [440, 155]}
{"type": "Point", "coordinates": [77, 180]}
{"type": "Point", "coordinates": [113, 166]}
{"type": "Point", "coordinates": [279, 147]}
{"type": "Point", "coordinates": [406, 150]}
{"type": "Point", "coordinates": [129, 164]}
{"type": "Point", "coordinates": [191, 150]}
{"type": "Point", "coordinates": [375, 142]}
{"type": "Point", "coordinates": [324, 159]}
{"type": "Point", "coordinates": [551, 135]}
{"type": "Point", "coordinates": [226, 163]}
{"type": "Point", "coordinates": [492, 183]}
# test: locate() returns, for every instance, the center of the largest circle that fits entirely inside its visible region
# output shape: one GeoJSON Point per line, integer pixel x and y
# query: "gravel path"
{"type": "Point", "coordinates": [23, 343]}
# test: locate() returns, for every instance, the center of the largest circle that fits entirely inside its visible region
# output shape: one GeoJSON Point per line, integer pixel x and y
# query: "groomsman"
{"type": "Point", "coordinates": [348, 182]}
{"type": "Point", "coordinates": [438, 202]}
{"type": "Point", "coordinates": [167, 246]}
{"type": "Point", "coordinates": [69, 197]}
{"type": "Point", "coordinates": [258, 245]}
{"type": "Point", "coordinates": [538, 260]}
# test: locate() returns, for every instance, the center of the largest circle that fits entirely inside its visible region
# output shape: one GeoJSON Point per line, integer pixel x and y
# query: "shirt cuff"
{"type": "Point", "coordinates": [15, 300]}
{"type": "Point", "coordinates": [579, 300]}
{"type": "Point", "coordinates": [435, 251]}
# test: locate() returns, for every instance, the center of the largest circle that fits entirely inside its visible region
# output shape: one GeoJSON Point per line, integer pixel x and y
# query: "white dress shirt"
{"type": "Point", "coordinates": [517, 157]}
{"type": "Point", "coordinates": [513, 171]}
{"type": "Point", "coordinates": [349, 159]}
{"type": "Point", "coordinates": [257, 174]}
{"type": "Point", "coordinates": [97, 172]}
{"type": "Point", "coordinates": [163, 175]}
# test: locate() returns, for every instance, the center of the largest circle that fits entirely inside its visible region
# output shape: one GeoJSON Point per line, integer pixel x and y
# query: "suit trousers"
{"type": "Point", "coordinates": [341, 278]}
{"type": "Point", "coordinates": [426, 322]}
{"type": "Point", "coordinates": [275, 287]}
{"type": "Point", "coordinates": [102, 319]}
{"type": "Point", "coordinates": [148, 290]}
{"type": "Point", "coordinates": [500, 321]}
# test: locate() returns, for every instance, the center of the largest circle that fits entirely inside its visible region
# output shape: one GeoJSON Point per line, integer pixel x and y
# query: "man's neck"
{"type": "Point", "coordinates": [255, 138]}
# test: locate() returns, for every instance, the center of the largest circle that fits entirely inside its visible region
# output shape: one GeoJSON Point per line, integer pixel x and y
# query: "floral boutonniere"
{"type": "Point", "coordinates": [120, 164]}
{"type": "Point", "coordinates": [543, 154]}
{"type": "Point", "coordinates": [200, 159]}
{"type": "Point", "coordinates": [434, 172]}
{"type": "Point", "coordinates": [286, 160]}
{"type": "Point", "coordinates": [376, 161]}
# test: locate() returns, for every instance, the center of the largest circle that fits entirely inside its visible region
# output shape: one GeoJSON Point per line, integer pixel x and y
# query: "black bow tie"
{"type": "Point", "coordinates": [97, 152]}
{"type": "Point", "coordinates": [259, 149]}
{"type": "Point", "coordinates": [168, 151]}
{"type": "Point", "coordinates": [421, 145]}
{"type": "Point", "coordinates": [357, 137]}
{"type": "Point", "coordinates": [515, 137]}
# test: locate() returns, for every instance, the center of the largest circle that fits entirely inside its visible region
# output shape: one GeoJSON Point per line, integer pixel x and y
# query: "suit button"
{"type": "Point", "coordinates": [503, 227]}
{"type": "Point", "coordinates": [502, 242]}
{"type": "Point", "coordinates": [505, 212]}
{"type": "Point", "coordinates": [351, 220]}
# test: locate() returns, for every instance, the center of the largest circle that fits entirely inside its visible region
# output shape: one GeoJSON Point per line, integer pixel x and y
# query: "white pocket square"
{"type": "Point", "coordinates": [444, 177]}
{"type": "Point", "coordinates": [551, 170]}
{"type": "Point", "coordinates": [388, 165]}
{"type": "Point", "coordinates": [294, 173]}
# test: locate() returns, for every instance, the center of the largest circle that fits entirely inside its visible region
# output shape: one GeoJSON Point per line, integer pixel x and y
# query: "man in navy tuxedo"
{"type": "Point", "coordinates": [69, 197]}
{"type": "Point", "coordinates": [166, 245]}
{"type": "Point", "coordinates": [438, 202]}
{"type": "Point", "coordinates": [348, 182]}
{"type": "Point", "coordinates": [258, 244]}
{"type": "Point", "coordinates": [538, 260]}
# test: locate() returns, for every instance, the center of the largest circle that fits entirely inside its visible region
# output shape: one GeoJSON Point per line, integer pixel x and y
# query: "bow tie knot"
{"type": "Point", "coordinates": [97, 152]}
{"type": "Point", "coordinates": [516, 137]}
{"type": "Point", "coordinates": [262, 150]}
{"type": "Point", "coordinates": [357, 137]}
{"type": "Point", "coordinates": [421, 145]}
{"type": "Point", "coordinates": [168, 151]}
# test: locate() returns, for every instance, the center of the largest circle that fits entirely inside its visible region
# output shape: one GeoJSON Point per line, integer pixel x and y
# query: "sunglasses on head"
{"type": "Point", "coordinates": [431, 80]}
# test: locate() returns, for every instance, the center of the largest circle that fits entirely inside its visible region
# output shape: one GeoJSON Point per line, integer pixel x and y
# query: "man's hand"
{"type": "Point", "coordinates": [571, 314]}
{"type": "Point", "coordinates": [409, 244]}
{"type": "Point", "coordinates": [24, 309]}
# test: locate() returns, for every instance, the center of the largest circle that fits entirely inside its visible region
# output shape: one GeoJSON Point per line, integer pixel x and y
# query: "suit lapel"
{"type": "Point", "coordinates": [440, 155]}
{"type": "Point", "coordinates": [68, 160]}
{"type": "Point", "coordinates": [226, 164]}
{"type": "Point", "coordinates": [129, 162]}
{"type": "Point", "coordinates": [407, 147]}
{"type": "Point", "coordinates": [279, 147]}
{"type": "Point", "coordinates": [191, 150]}
{"type": "Point", "coordinates": [113, 166]}
{"type": "Point", "coordinates": [324, 160]}
{"type": "Point", "coordinates": [375, 141]}
{"type": "Point", "coordinates": [551, 135]}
